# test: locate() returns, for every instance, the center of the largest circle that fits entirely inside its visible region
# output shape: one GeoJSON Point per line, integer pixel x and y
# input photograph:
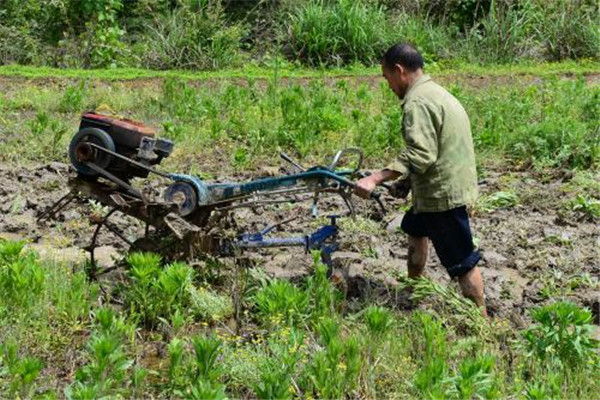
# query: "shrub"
{"type": "Point", "coordinates": [192, 38]}
{"type": "Point", "coordinates": [337, 32]}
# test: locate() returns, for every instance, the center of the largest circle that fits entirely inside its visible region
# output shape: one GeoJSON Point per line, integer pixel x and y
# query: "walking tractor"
{"type": "Point", "coordinates": [184, 216]}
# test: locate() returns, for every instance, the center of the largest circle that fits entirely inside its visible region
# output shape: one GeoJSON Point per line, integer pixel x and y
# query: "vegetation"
{"type": "Point", "coordinates": [211, 34]}
{"type": "Point", "coordinates": [293, 342]}
{"type": "Point", "coordinates": [553, 123]}
{"type": "Point", "coordinates": [181, 331]}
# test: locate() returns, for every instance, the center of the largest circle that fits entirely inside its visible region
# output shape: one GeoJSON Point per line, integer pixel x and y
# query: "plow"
{"type": "Point", "coordinates": [185, 217]}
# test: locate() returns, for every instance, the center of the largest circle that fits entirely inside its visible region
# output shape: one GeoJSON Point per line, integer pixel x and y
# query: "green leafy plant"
{"type": "Point", "coordinates": [334, 371]}
{"type": "Point", "coordinates": [475, 378]}
{"type": "Point", "coordinates": [21, 371]}
{"type": "Point", "coordinates": [587, 206]}
{"type": "Point", "coordinates": [194, 36]}
{"type": "Point", "coordinates": [337, 32]}
{"type": "Point", "coordinates": [157, 293]}
{"type": "Point", "coordinates": [73, 99]}
{"type": "Point", "coordinates": [497, 200]}
{"type": "Point", "coordinates": [206, 350]}
{"type": "Point", "coordinates": [198, 375]}
{"type": "Point", "coordinates": [281, 299]}
{"type": "Point", "coordinates": [562, 334]}
{"type": "Point", "coordinates": [21, 276]}
{"type": "Point", "coordinates": [379, 320]}
{"type": "Point", "coordinates": [108, 371]}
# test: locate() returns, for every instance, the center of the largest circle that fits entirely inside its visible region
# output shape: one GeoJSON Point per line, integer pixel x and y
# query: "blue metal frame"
{"type": "Point", "coordinates": [318, 240]}
{"type": "Point", "coordinates": [215, 192]}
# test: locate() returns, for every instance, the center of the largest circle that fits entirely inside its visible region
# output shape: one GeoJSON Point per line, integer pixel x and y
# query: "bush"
{"type": "Point", "coordinates": [191, 38]}
{"type": "Point", "coordinates": [567, 28]}
{"type": "Point", "coordinates": [338, 32]}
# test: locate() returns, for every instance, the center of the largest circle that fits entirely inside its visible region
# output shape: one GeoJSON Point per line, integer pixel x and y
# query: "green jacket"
{"type": "Point", "coordinates": [439, 157]}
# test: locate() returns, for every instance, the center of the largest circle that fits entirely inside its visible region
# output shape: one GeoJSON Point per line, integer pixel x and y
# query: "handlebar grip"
{"type": "Point", "coordinates": [375, 195]}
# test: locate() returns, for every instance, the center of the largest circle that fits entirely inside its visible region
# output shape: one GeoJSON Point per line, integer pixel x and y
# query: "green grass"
{"type": "Point", "coordinates": [293, 342]}
{"type": "Point", "coordinates": [547, 124]}
{"type": "Point", "coordinates": [284, 69]}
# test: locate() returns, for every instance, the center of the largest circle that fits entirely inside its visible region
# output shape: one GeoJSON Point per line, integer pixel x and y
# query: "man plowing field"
{"type": "Point", "coordinates": [438, 164]}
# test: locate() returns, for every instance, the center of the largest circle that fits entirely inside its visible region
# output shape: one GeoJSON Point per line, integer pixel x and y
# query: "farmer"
{"type": "Point", "coordinates": [438, 165]}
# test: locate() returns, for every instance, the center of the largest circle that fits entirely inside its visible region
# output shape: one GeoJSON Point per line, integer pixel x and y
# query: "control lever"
{"type": "Point", "coordinates": [291, 161]}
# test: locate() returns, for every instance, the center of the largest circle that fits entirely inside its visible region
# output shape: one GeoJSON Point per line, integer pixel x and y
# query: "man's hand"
{"type": "Point", "coordinates": [365, 186]}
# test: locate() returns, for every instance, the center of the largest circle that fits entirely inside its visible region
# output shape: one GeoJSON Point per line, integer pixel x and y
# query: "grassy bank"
{"type": "Point", "coordinates": [283, 69]}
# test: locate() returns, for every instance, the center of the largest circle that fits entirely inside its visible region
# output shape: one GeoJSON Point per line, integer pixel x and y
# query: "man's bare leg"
{"type": "Point", "coordinates": [418, 249]}
{"type": "Point", "coordinates": [417, 258]}
{"type": "Point", "coordinates": [471, 285]}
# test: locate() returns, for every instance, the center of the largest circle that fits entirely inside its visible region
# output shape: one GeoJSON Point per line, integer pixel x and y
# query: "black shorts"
{"type": "Point", "coordinates": [450, 234]}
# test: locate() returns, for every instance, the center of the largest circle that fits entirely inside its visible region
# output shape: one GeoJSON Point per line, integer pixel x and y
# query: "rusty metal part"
{"type": "Point", "coordinates": [57, 206]}
{"type": "Point", "coordinates": [129, 160]}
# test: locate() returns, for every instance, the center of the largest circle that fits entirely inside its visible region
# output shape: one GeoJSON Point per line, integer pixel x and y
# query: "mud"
{"type": "Point", "coordinates": [533, 253]}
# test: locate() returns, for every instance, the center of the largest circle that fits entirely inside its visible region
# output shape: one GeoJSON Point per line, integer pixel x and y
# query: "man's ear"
{"type": "Point", "coordinates": [399, 69]}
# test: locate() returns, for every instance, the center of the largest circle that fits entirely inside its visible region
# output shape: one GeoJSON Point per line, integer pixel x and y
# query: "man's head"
{"type": "Point", "coordinates": [401, 65]}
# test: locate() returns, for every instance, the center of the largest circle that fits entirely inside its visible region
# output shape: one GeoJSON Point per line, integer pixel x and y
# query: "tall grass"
{"type": "Point", "coordinates": [211, 34]}
{"type": "Point", "coordinates": [338, 32]}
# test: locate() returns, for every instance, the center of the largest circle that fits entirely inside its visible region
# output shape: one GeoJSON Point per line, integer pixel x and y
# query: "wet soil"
{"type": "Point", "coordinates": [533, 252]}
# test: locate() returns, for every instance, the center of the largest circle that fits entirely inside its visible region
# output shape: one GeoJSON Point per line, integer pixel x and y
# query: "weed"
{"type": "Point", "coordinates": [588, 207]}
{"type": "Point", "coordinates": [281, 298]}
{"type": "Point", "coordinates": [550, 388]}
{"type": "Point", "coordinates": [379, 320]}
{"type": "Point", "coordinates": [334, 371]}
{"type": "Point", "coordinates": [497, 200]}
{"type": "Point", "coordinates": [22, 371]}
{"type": "Point", "coordinates": [208, 390]}
{"type": "Point", "coordinates": [209, 305]}
{"type": "Point", "coordinates": [73, 99]}
{"type": "Point", "coordinates": [337, 32]}
{"type": "Point", "coordinates": [21, 276]}
{"type": "Point", "coordinates": [276, 371]}
{"type": "Point", "coordinates": [107, 372]}
{"type": "Point", "coordinates": [196, 376]}
{"type": "Point", "coordinates": [157, 293]}
{"type": "Point", "coordinates": [206, 350]}
{"type": "Point", "coordinates": [475, 378]}
{"type": "Point", "coordinates": [39, 125]}
{"type": "Point", "coordinates": [460, 312]}
{"type": "Point", "coordinates": [562, 334]}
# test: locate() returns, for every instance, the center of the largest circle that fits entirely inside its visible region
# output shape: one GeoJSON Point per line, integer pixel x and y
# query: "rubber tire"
{"type": "Point", "coordinates": [98, 137]}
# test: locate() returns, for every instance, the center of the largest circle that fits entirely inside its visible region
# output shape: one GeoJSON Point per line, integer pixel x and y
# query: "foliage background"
{"type": "Point", "coordinates": [211, 34]}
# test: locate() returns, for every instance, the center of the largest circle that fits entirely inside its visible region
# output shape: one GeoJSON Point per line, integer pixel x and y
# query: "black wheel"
{"type": "Point", "coordinates": [79, 152]}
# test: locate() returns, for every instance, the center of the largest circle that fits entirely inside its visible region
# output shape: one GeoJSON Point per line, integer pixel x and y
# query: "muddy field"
{"type": "Point", "coordinates": [533, 251]}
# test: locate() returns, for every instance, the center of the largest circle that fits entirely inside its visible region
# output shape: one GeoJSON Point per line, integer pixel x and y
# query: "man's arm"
{"type": "Point", "coordinates": [421, 151]}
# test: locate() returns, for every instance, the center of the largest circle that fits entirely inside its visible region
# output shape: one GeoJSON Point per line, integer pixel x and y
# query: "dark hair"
{"type": "Point", "coordinates": [403, 54]}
